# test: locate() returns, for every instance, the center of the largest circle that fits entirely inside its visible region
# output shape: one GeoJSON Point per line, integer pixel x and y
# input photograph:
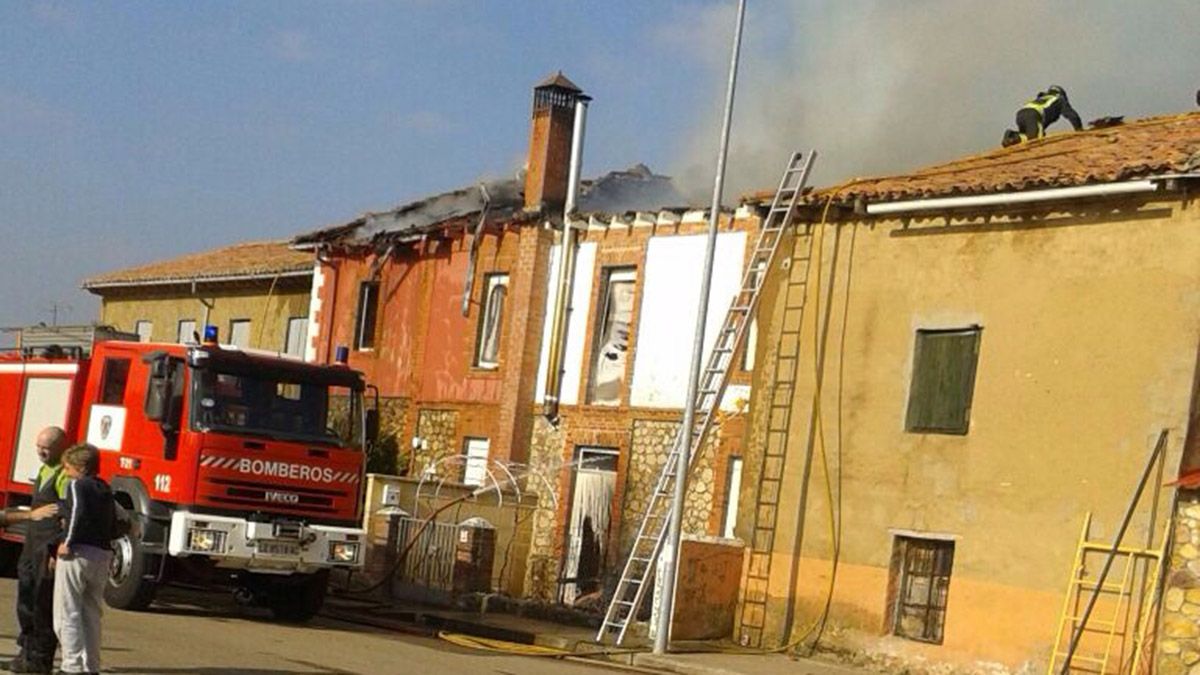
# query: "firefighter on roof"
{"type": "Point", "coordinates": [1041, 112]}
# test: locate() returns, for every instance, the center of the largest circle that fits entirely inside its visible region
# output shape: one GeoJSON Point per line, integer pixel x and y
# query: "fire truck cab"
{"type": "Point", "coordinates": [241, 468]}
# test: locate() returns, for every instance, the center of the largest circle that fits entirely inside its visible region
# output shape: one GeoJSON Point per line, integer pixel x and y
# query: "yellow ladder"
{"type": "Point", "coordinates": [1107, 631]}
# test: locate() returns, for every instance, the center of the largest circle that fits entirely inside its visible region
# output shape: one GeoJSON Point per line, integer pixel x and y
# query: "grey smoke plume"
{"type": "Point", "coordinates": [886, 87]}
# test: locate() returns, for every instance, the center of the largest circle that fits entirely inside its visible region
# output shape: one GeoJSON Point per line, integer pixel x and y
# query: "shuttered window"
{"type": "Point", "coordinates": [943, 380]}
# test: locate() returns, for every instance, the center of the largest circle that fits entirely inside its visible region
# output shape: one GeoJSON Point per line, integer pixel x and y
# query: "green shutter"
{"type": "Point", "coordinates": [943, 380]}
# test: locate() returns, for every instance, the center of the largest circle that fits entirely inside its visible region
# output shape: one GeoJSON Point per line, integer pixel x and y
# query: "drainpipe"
{"type": "Point", "coordinates": [566, 269]}
{"type": "Point", "coordinates": [208, 305]}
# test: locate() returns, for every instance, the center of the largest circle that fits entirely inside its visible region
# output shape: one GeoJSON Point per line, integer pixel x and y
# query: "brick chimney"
{"type": "Point", "coordinates": [549, 159]}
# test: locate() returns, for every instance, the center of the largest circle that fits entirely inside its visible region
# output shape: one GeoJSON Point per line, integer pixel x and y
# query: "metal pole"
{"type": "Point", "coordinates": [672, 545]}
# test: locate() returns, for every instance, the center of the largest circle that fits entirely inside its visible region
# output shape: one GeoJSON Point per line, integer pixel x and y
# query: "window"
{"type": "Point", "coordinates": [611, 346]}
{"type": "Point", "coordinates": [368, 305]}
{"type": "Point", "coordinates": [112, 382]}
{"type": "Point", "coordinates": [475, 468]}
{"type": "Point", "coordinates": [921, 584]}
{"type": "Point", "coordinates": [296, 338]}
{"type": "Point", "coordinates": [944, 361]}
{"type": "Point", "coordinates": [733, 490]}
{"type": "Point", "coordinates": [491, 320]}
{"type": "Point", "coordinates": [750, 344]}
{"type": "Point", "coordinates": [187, 331]}
{"type": "Point", "coordinates": [239, 333]}
{"type": "Point", "coordinates": [144, 330]}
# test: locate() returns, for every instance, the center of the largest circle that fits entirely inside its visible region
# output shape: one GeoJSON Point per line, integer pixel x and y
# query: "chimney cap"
{"type": "Point", "coordinates": [559, 81]}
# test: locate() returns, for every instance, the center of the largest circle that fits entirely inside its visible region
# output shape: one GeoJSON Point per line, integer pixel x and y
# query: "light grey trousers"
{"type": "Point", "coordinates": [78, 597]}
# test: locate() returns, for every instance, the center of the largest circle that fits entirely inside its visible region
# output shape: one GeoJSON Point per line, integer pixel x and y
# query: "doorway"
{"type": "Point", "coordinates": [589, 525]}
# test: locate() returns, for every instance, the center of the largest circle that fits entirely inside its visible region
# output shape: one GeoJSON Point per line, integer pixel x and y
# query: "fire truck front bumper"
{"type": "Point", "coordinates": [280, 546]}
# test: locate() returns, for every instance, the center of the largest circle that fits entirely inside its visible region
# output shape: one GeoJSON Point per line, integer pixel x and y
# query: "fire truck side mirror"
{"type": "Point", "coordinates": [372, 427]}
{"type": "Point", "coordinates": [160, 405]}
{"type": "Point", "coordinates": [158, 396]}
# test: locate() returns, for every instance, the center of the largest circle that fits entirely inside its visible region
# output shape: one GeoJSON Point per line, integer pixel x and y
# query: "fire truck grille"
{"type": "Point", "coordinates": [244, 493]}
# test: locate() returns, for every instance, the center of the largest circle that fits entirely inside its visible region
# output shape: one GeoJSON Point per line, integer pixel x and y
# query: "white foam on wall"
{"type": "Point", "coordinates": [670, 295]}
{"type": "Point", "coordinates": [581, 296]}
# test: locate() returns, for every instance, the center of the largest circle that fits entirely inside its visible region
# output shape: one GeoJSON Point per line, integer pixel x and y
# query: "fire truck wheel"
{"type": "Point", "coordinates": [128, 587]}
{"type": "Point", "coordinates": [298, 599]}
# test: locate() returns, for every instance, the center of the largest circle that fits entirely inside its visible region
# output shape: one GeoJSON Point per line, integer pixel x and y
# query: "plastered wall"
{"type": "Point", "coordinates": [1090, 322]}
{"type": "Point", "coordinates": [165, 308]}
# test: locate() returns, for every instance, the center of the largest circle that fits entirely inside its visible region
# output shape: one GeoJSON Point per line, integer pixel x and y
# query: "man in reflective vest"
{"type": "Point", "coordinates": [1041, 112]}
{"type": "Point", "coordinates": [35, 581]}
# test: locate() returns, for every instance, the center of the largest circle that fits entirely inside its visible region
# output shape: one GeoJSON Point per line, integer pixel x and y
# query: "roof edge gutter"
{"type": "Point", "coordinates": [196, 280]}
{"type": "Point", "coordinates": [1006, 198]}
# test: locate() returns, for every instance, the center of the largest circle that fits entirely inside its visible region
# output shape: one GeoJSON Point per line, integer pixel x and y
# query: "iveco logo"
{"type": "Point", "coordinates": [282, 497]}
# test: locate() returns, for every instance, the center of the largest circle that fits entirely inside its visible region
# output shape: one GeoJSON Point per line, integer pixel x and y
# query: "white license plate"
{"type": "Point", "coordinates": [278, 548]}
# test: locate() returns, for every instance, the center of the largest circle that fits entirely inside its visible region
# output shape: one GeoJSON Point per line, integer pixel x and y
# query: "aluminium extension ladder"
{"type": "Point", "coordinates": [639, 567]}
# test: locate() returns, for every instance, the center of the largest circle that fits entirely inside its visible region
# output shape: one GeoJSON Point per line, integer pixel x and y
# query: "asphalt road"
{"type": "Point", "coordinates": [208, 634]}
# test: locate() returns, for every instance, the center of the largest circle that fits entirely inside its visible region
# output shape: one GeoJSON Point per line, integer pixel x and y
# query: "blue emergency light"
{"type": "Point", "coordinates": [210, 333]}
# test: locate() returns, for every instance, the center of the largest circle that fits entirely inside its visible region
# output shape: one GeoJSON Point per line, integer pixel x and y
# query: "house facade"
{"type": "Point", "coordinates": [257, 294]}
{"type": "Point", "coordinates": [957, 366]}
{"type": "Point", "coordinates": [447, 305]}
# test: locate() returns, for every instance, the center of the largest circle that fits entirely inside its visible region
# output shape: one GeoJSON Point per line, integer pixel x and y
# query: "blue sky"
{"type": "Point", "coordinates": [131, 132]}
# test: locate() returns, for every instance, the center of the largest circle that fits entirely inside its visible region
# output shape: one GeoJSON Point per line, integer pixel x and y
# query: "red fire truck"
{"type": "Point", "coordinates": [241, 468]}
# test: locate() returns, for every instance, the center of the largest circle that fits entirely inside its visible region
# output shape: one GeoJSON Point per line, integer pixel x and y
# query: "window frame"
{"type": "Point", "coordinates": [938, 579]}
{"type": "Point", "coordinates": [468, 442]}
{"type": "Point", "coordinates": [601, 318]}
{"type": "Point", "coordinates": [923, 395]}
{"type": "Point", "coordinates": [137, 329]}
{"type": "Point", "coordinates": [364, 335]}
{"type": "Point", "coordinates": [179, 336]}
{"type": "Point", "coordinates": [240, 322]}
{"type": "Point", "coordinates": [287, 335]}
{"type": "Point", "coordinates": [733, 491]}
{"type": "Point", "coordinates": [491, 282]}
{"type": "Point", "coordinates": [112, 368]}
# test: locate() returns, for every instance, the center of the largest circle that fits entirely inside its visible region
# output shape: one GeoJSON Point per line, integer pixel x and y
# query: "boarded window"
{"type": "Point", "coordinates": [491, 321]}
{"type": "Point", "coordinates": [239, 333]}
{"type": "Point", "coordinates": [610, 352]}
{"type": "Point", "coordinates": [475, 468]}
{"type": "Point", "coordinates": [296, 337]}
{"type": "Point", "coordinates": [921, 583]}
{"type": "Point", "coordinates": [144, 330]}
{"type": "Point", "coordinates": [368, 305]}
{"type": "Point", "coordinates": [943, 380]}
{"type": "Point", "coordinates": [187, 331]}
{"type": "Point", "coordinates": [113, 381]}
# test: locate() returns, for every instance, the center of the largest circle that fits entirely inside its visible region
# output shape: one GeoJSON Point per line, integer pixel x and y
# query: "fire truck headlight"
{"type": "Point", "coordinates": [343, 551]}
{"type": "Point", "coordinates": [206, 541]}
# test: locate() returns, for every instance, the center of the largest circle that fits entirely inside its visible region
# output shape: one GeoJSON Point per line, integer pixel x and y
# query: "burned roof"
{"type": "Point", "coordinates": [241, 262]}
{"type": "Point", "coordinates": [631, 190]}
{"type": "Point", "coordinates": [1139, 149]}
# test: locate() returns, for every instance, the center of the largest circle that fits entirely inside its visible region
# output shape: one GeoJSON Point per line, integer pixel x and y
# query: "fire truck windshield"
{"type": "Point", "coordinates": [274, 407]}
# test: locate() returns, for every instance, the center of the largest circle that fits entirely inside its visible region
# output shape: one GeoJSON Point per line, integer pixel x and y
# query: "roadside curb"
{"type": "Point", "coordinates": [670, 665]}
